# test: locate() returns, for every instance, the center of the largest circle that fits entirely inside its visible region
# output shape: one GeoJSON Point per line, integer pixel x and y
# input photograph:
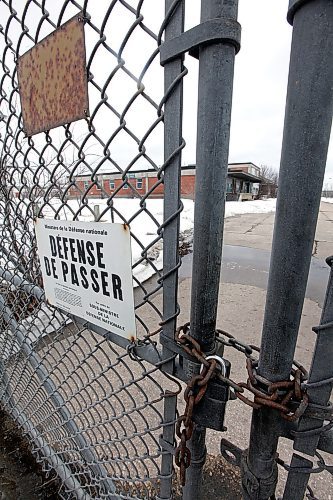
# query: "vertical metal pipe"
{"type": "Point", "coordinates": [173, 112]}
{"type": "Point", "coordinates": [216, 73]}
{"type": "Point", "coordinates": [304, 151]}
{"type": "Point", "coordinates": [197, 446]}
{"type": "Point", "coordinates": [321, 369]}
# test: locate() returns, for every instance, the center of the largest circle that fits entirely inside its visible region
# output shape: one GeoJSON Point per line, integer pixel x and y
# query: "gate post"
{"type": "Point", "coordinates": [306, 440]}
{"type": "Point", "coordinates": [173, 145]}
{"type": "Point", "coordinates": [216, 73]}
{"type": "Point", "coordinates": [304, 151]}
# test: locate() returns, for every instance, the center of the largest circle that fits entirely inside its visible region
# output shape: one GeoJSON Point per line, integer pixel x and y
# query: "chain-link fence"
{"type": "Point", "coordinates": [100, 409]}
{"type": "Point", "coordinates": [93, 410]}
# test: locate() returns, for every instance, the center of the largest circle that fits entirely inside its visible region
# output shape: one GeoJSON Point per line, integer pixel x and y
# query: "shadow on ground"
{"type": "Point", "coordinates": [221, 480]}
{"type": "Point", "coordinates": [21, 477]}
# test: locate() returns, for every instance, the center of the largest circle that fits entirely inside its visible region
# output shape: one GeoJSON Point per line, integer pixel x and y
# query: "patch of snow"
{"type": "Point", "coordinates": [327, 200]}
{"type": "Point", "coordinates": [250, 207]}
{"type": "Point", "coordinates": [144, 221]}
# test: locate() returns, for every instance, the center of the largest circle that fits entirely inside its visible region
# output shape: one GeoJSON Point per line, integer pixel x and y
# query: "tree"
{"type": "Point", "coordinates": [269, 173]}
{"type": "Point", "coordinates": [269, 184]}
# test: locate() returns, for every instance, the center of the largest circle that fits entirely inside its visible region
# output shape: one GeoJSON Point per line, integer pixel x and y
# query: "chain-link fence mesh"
{"type": "Point", "coordinates": [98, 410]}
{"type": "Point", "coordinates": [93, 411]}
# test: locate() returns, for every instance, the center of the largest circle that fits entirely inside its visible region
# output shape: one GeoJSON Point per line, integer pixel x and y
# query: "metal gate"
{"type": "Point", "coordinates": [98, 409]}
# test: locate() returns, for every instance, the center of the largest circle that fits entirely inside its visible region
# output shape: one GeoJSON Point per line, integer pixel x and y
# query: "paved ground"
{"type": "Point", "coordinates": [256, 231]}
{"type": "Point", "coordinates": [241, 308]}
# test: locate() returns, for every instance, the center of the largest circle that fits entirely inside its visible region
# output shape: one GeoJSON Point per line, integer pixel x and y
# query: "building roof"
{"type": "Point", "coordinates": [244, 176]}
{"type": "Point", "coordinates": [151, 171]}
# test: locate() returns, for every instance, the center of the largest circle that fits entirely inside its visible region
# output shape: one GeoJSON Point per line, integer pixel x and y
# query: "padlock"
{"type": "Point", "coordinates": [210, 410]}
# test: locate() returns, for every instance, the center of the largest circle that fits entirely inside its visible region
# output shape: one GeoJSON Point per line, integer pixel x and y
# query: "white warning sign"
{"type": "Point", "coordinates": [86, 268]}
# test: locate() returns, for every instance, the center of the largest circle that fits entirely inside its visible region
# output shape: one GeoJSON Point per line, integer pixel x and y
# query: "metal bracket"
{"type": "Point", "coordinates": [172, 346]}
{"type": "Point", "coordinates": [318, 412]}
{"type": "Point", "coordinates": [231, 453]}
{"type": "Point", "coordinates": [177, 349]}
{"type": "Point", "coordinates": [294, 5]}
{"type": "Point", "coordinates": [289, 430]}
{"type": "Point", "coordinates": [167, 446]}
{"type": "Point", "coordinates": [213, 31]}
{"type": "Point", "coordinates": [253, 488]}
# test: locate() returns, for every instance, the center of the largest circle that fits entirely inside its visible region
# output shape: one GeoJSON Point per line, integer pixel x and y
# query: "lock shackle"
{"type": "Point", "coordinates": [219, 360]}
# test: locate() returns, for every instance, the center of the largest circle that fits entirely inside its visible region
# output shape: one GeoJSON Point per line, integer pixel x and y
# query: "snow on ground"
{"type": "Point", "coordinates": [327, 200]}
{"type": "Point", "coordinates": [250, 207]}
{"type": "Point", "coordinates": [145, 220]}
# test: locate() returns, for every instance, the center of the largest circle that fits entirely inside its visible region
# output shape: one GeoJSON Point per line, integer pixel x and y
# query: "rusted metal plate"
{"type": "Point", "coordinates": [53, 79]}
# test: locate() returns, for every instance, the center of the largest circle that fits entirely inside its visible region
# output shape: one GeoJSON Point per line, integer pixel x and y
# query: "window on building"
{"type": "Point", "coordinates": [131, 176]}
{"type": "Point", "coordinates": [112, 185]}
{"type": "Point", "coordinates": [86, 185]}
{"type": "Point", "coordinates": [229, 186]}
{"type": "Point", "coordinates": [125, 186]}
{"type": "Point", "coordinates": [139, 184]}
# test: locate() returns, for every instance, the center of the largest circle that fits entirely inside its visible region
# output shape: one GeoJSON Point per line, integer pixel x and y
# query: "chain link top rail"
{"type": "Point", "coordinates": [89, 408]}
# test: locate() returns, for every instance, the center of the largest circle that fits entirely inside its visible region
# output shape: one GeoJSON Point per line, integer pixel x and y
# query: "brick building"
{"type": "Point", "coordinates": [241, 183]}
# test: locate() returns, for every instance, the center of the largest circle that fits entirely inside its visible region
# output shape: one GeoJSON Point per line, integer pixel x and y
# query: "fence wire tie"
{"type": "Point", "coordinates": [321, 466]}
{"type": "Point", "coordinates": [310, 495]}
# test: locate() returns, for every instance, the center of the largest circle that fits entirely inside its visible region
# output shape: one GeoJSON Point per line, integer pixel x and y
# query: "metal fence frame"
{"type": "Point", "coordinates": [166, 281]}
{"type": "Point", "coordinates": [295, 222]}
{"type": "Point", "coordinates": [215, 42]}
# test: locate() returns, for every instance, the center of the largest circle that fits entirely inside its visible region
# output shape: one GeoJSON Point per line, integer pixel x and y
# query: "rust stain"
{"type": "Point", "coordinates": [53, 79]}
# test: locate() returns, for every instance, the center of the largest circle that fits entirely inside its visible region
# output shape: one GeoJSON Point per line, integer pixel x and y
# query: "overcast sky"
{"type": "Point", "coordinates": [260, 86]}
{"type": "Point", "coordinates": [261, 73]}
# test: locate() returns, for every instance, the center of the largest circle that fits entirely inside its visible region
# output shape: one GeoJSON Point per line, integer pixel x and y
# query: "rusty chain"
{"type": "Point", "coordinates": [289, 397]}
{"type": "Point", "coordinates": [194, 392]}
{"type": "Point", "coordinates": [275, 395]}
